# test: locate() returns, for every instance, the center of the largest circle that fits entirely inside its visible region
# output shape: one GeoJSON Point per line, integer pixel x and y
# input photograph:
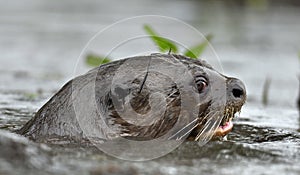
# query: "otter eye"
{"type": "Point", "coordinates": [201, 83]}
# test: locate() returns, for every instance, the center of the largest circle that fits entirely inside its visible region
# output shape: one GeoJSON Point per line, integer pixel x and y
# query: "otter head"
{"type": "Point", "coordinates": [193, 98]}
{"type": "Point", "coordinates": [221, 97]}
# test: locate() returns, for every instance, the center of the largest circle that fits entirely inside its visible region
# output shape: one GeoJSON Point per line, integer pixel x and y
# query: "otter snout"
{"type": "Point", "coordinates": [236, 91]}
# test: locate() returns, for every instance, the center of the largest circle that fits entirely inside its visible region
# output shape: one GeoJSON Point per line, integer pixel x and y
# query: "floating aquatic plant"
{"type": "Point", "coordinates": [163, 44]}
{"type": "Point", "coordinates": [196, 51]}
{"type": "Point", "coordinates": [96, 60]}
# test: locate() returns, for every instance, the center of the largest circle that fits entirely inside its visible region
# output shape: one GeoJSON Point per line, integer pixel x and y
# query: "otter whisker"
{"type": "Point", "coordinates": [188, 131]}
{"type": "Point", "coordinates": [209, 128]}
{"type": "Point", "coordinates": [204, 128]}
{"type": "Point", "coordinates": [171, 94]}
{"type": "Point", "coordinates": [170, 101]}
{"type": "Point", "coordinates": [206, 122]}
{"type": "Point", "coordinates": [207, 115]}
{"type": "Point", "coordinates": [184, 128]}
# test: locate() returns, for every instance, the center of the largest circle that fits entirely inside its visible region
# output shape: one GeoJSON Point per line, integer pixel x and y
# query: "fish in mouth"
{"type": "Point", "coordinates": [163, 91]}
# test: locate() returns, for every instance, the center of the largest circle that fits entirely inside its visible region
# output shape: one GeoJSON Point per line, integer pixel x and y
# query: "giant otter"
{"type": "Point", "coordinates": [143, 97]}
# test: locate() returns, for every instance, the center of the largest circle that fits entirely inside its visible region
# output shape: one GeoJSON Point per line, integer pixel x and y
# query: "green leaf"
{"type": "Point", "coordinates": [96, 60]}
{"type": "Point", "coordinates": [196, 51]}
{"type": "Point", "coordinates": [163, 44]}
{"type": "Point", "coordinates": [30, 96]}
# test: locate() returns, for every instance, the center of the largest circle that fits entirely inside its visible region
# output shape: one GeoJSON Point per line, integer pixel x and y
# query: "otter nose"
{"type": "Point", "coordinates": [236, 90]}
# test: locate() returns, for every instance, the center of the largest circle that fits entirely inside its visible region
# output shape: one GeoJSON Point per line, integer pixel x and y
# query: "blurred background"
{"type": "Point", "coordinates": [256, 41]}
{"type": "Point", "coordinates": [41, 40]}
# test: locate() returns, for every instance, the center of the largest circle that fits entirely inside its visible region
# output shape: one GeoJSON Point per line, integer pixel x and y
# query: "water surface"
{"type": "Point", "coordinates": [41, 41]}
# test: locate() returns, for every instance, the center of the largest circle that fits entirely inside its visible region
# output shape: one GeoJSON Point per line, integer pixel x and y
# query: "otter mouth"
{"type": "Point", "coordinates": [226, 124]}
{"type": "Point", "coordinates": [219, 125]}
{"type": "Point", "coordinates": [224, 129]}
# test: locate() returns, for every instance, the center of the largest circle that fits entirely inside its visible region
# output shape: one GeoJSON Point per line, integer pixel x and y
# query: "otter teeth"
{"type": "Point", "coordinates": [229, 114]}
